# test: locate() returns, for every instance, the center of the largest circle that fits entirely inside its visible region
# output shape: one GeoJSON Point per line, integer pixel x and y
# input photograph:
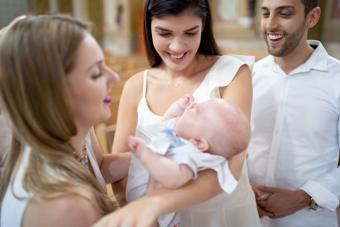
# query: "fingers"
{"type": "Point", "coordinates": [137, 146]}
{"type": "Point", "coordinates": [188, 99]}
{"type": "Point", "coordinates": [262, 212]}
{"type": "Point", "coordinates": [268, 189]}
{"type": "Point", "coordinates": [188, 96]}
{"type": "Point", "coordinates": [262, 202]}
{"type": "Point", "coordinates": [135, 141]}
{"type": "Point", "coordinates": [259, 193]}
{"type": "Point", "coordinates": [263, 195]}
{"type": "Point", "coordinates": [191, 105]}
{"type": "Point", "coordinates": [132, 143]}
{"type": "Point", "coordinates": [191, 99]}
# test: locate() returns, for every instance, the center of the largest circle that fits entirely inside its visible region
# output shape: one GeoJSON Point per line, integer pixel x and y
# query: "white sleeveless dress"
{"type": "Point", "coordinates": [234, 210]}
{"type": "Point", "coordinates": [16, 198]}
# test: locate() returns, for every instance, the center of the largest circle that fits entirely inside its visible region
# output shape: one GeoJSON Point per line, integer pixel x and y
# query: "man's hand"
{"type": "Point", "coordinates": [262, 212]}
{"type": "Point", "coordinates": [261, 195]}
{"type": "Point", "coordinates": [282, 202]}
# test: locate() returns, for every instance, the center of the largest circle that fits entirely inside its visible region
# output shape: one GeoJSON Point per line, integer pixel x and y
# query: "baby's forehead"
{"type": "Point", "coordinates": [220, 110]}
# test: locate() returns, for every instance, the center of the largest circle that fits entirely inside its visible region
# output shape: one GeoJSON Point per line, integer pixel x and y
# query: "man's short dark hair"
{"type": "Point", "coordinates": [309, 5]}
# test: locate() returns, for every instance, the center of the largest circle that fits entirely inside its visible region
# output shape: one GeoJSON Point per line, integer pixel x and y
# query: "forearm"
{"type": "Point", "coordinates": [194, 192]}
{"type": "Point", "coordinates": [148, 208]}
{"type": "Point", "coordinates": [174, 174]}
{"type": "Point", "coordinates": [236, 164]}
{"type": "Point", "coordinates": [114, 167]}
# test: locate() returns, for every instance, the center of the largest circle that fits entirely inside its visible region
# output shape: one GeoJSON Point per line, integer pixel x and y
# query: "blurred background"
{"type": "Point", "coordinates": [117, 25]}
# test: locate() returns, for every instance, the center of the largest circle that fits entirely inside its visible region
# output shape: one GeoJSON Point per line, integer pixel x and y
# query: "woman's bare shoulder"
{"type": "Point", "coordinates": [133, 88]}
{"type": "Point", "coordinates": [76, 209]}
{"type": "Point", "coordinates": [135, 81]}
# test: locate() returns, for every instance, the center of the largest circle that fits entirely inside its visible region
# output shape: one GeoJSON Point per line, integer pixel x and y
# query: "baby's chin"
{"type": "Point", "coordinates": [180, 133]}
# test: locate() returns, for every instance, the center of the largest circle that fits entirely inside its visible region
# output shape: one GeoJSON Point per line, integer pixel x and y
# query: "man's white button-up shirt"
{"type": "Point", "coordinates": [296, 134]}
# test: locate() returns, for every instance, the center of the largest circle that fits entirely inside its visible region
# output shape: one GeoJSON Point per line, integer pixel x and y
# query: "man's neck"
{"type": "Point", "coordinates": [299, 56]}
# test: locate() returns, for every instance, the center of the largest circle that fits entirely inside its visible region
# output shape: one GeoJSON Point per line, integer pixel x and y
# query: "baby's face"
{"type": "Point", "coordinates": [195, 120]}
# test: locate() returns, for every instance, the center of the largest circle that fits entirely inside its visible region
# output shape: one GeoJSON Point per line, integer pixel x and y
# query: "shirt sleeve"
{"type": "Point", "coordinates": [183, 155]}
{"type": "Point", "coordinates": [339, 133]}
{"type": "Point", "coordinates": [197, 161]}
{"type": "Point", "coordinates": [326, 189]}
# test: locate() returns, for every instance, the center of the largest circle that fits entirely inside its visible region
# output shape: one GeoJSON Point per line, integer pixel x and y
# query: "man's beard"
{"type": "Point", "coordinates": [290, 43]}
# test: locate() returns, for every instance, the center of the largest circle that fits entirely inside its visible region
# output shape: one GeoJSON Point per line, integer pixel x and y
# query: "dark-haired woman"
{"type": "Point", "coordinates": [184, 59]}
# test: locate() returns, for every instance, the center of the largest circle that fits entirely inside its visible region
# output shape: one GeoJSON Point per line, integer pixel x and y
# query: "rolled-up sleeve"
{"type": "Point", "coordinates": [326, 189]}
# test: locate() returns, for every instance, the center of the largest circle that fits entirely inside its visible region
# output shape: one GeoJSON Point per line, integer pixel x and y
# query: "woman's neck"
{"type": "Point", "coordinates": [78, 140]}
{"type": "Point", "coordinates": [196, 66]}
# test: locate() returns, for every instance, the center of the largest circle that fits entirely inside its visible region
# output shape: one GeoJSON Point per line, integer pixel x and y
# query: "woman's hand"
{"type": "Point", "coordinates": [140, 213]}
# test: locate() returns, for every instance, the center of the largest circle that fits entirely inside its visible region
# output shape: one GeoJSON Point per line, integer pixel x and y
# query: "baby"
{"type": "Point", "coordinates": [192, 137]}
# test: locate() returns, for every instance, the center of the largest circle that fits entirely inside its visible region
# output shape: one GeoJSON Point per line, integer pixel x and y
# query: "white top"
{"type": "Point", "coordinates": [295, 140]}
{"type": "Point", "coordinates": [94, 163]}
{"type": "Point", "coordinates": [16, 198]}
{"type": "Point", "coordinates": [235, 210]}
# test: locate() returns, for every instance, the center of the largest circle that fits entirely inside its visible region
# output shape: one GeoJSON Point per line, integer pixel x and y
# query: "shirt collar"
{"type": "Point", "coordinates": [317, 61]}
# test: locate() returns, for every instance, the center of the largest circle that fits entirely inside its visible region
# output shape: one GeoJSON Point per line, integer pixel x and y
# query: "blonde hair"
{"type": "Point", "coordinates": [36, 55]}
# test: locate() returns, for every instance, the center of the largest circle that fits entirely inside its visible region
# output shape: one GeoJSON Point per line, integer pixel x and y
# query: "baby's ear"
{"type": "Point", "coordinates": [201, 143]}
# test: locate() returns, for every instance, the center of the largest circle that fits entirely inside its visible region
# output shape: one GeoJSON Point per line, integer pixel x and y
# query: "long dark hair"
{"type": "Point", "coordinates": [159, 8]}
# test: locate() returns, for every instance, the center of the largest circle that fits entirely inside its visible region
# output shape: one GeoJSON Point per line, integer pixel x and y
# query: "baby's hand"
{"type": "Point", "coordinates": [177, 108]}
{"type": "Point", "coordinates": [185, 101]}
{"type": "Point", "coordinates": [136, 146]}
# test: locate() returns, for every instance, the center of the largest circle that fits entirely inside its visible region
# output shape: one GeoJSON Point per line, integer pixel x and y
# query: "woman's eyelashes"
{"type": "Point", "coordinates": [97, 76]}
{"type": "Point", "coordinates": [164, 34]}
{"type": "Point", "coordinates": [98, 71]}
{"type": "Point", "coordinates": [167, 34]}
{"type": "Point", "coordinates": [191, 34]}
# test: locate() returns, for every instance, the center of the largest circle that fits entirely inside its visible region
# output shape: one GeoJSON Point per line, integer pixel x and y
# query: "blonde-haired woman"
{"type": "Point", "coordinates": [54, 86]}
{"type": "Point", "coordinates": [5, 133]}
